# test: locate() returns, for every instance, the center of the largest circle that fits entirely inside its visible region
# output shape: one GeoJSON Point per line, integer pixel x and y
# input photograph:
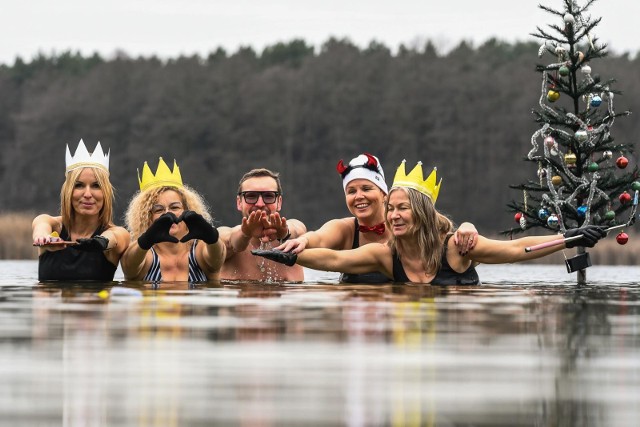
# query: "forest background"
{"type": "Point", "coordinates": [294, 109]}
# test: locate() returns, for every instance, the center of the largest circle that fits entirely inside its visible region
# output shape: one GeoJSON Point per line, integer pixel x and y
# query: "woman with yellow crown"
{"type": "Point", "coordinates": [174, 239]}
{"type": "Point", "coordinates": [365, 193]}
{"type": "Point", "coordinates": [418, 251]}
{"type": "Point", "coordinates": [82, 243]}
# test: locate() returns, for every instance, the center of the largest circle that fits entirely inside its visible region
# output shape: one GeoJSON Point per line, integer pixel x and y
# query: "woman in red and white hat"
{"type": "Point", "coordinates": [365, 191]}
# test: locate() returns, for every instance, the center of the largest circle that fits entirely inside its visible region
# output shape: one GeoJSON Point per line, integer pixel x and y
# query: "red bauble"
{"type": "Point", "coordinates": [517, 217]}
{"type": "Point", "coordinates": [622, 162]}
{"type": "Point", "coordinates": [622, 238]}
{"type": "Point", "coordinates": [624, 198]}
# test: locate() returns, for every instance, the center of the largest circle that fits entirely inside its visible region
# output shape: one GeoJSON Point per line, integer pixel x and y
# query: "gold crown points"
{"type": "Point", "coordinates": [83, 159]}
{"type": "Point", "coordinates": [415, 179]}
{"type": "Point", "coordinates": [164, 177]}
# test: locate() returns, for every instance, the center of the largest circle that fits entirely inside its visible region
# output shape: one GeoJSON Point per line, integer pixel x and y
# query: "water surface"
{"type": "Point", "coordinates": [527, 348]}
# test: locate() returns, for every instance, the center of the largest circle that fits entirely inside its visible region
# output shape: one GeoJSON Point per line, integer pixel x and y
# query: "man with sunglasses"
{"type": "Point", "coordinates": [259, 200]}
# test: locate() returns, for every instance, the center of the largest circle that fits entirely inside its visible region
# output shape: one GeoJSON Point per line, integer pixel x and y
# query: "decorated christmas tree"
{"type": "Point", "coordinates": [583, 175]}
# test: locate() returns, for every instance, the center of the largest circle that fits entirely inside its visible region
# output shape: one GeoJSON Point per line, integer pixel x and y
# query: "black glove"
{"type": "Point", "coordinates": [158, 232]}
{"type": "Point", "coordinates": [199, 228]}
{"type": "Point", "coordinates": [590, 236]}
{"type": "Point", "coordinates": [286, 258]}
{"type": "Point", "coordinates": [92, 244]}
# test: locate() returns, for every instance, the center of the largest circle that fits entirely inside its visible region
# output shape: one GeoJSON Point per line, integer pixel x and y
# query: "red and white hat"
{"type": "Point", "coordinates": [365, 166]}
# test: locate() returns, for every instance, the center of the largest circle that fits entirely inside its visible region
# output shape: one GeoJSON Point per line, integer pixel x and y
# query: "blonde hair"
{"type": "Point", "coordinates": [66, 195]}
{"type": "Point", "coordinates": [138, 216]}
{"type": "Point", "coordinates": [429, 226]}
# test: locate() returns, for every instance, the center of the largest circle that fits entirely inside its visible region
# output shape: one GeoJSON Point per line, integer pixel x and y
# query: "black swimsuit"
{"type": "Point", "coordinates": [372, 277]}
{"type": "Point", "coordinates": [71, 264]}
{"type": "Point", "coordinates": [445, 276]}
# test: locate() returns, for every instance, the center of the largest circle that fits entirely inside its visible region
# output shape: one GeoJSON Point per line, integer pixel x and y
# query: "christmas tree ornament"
{"type": "Point", "coordinates": [622, 238]}
{"type": "Point", "coordinates": [596, 100]}
{"type": "Point", "coordinates": [607, 154]}
{"type": "Point", "coordinates": [554, 151]}
{"type": "Point", "coordinates": [582, 211]}
{"type": "Point", "coordinates": [622, 162]}
{"type": "Point", "coordinates": [552, 221]}
{"type": "Point", "coordinates": [553, 96]}
{"type": "Point", "coordinates": [518, 216]}
{"type": "Point", "coordinates": [560, 51]}
{"type": "Point", "coordinates": [543, 214]}
{"type": "Point", "coordinates": [523, 223]}
{"type": "Point", "coordinates": [556, 180]}
{"type": "Point", "coordinates": [624, 198]}
{"type": "Point", "coordinates": [542, 173]}
{"type": "Point", "coordinates": [586, 70]}
{"type": "Point", "coordinates": [563, 71]}
{"type": "Point", "coordinates": [580, 56]}
{"type": "Point", "coordinates": [570, 158]}
{"type": "Point", "coordinates": [581, 135]}
{"type": "Point", "coordinates": [593, 166]}
{"type": "Point", "coordinates": [609, 215]}
{"type": "Point", "coordinates": [635, 186]}
{"type": "Point", "coordinates": [550, 141]}
{"type": "Point", "coordinates": [569, 19]}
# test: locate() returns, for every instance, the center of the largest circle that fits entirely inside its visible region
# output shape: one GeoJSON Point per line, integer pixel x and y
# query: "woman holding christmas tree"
{"type": "Point", "coordinates": [418, 251]}
{"type": "Point", "coordinates": [82, 243]}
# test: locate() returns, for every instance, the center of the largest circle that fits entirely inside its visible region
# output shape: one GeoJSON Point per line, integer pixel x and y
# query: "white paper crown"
{"type": "Point", "coordinates": [82, 158]}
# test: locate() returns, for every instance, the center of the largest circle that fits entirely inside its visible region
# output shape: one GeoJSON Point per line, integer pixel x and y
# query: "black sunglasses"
{"type": "Point", "coordinates": [252, 197]}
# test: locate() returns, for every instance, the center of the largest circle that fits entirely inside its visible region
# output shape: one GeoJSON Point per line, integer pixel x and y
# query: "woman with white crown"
{"type": "Point", "coordinates": [82, 243]}
{"type": "Point", "coordinates": [418, 251]}
{"type": "Point", "coordinates": [173, 238]}
{"type": "Point", "coordinates": [365, 192]}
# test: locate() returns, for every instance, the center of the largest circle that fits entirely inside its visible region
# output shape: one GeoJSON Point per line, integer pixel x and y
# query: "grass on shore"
{"type": "Point", "coordinates": [17, 244]}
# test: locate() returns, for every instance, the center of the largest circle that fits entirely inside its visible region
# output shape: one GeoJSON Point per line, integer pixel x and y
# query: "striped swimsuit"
{"type": "Point", "coordinates": [195, 272]}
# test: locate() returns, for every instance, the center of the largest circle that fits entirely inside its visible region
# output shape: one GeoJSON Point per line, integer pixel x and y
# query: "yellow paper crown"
{"type": "Point", "coordinates": [163, 177]}
{"type": "Point", "coordinates": [416, 181]}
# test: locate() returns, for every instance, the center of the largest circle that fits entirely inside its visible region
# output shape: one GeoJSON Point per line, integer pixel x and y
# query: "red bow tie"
{"type": "Point", "coordinates": [378, 229]}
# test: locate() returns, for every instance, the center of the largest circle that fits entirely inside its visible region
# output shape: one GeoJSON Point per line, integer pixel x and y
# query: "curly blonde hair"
{"type": "Point", "coordinates": [138, 216]}
{"type": "Point", "coordinates": [429, 225]}
{"type": "Point", "coordinates": [66, 195]}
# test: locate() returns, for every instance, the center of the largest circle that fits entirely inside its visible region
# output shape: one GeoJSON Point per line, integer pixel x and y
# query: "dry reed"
{"type": "Point", "coordinates": [16, 242]}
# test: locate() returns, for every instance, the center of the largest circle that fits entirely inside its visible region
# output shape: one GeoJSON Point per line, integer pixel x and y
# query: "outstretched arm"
{"type": "Point", "coordinates": [42, 227]}
{"type": "Point", "coordinates": [491, 251]}
{"type": "Point", "coordinates": [334, 234]}
{"type": "Point", "coordinates": [367, 258]}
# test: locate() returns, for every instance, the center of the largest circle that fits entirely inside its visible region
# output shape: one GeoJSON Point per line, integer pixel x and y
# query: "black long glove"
{"type": "Point", "coordinates": [590, 236]}
{"type": "Point", "coordinates": [158, 232]}
{"type": "Point", "coordinates": [199, 228]}
{"type": "Point", "coordinates": [287, 258]}
{"type": "Point", "coordinates": [92, 244]}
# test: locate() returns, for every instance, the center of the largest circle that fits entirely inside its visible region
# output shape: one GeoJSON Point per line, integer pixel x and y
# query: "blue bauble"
{"type": "Point", "coordinates": [552, 221]}
{"type": "Point", "coordinates": [582, 211]}
{"type": "Point", "coordinates": [543, 214]}
{"type": "Point", "coordinates": [596, 101]}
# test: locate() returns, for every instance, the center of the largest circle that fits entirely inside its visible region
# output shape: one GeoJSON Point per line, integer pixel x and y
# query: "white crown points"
{"type": "Point", "coordinates": [83, 159]}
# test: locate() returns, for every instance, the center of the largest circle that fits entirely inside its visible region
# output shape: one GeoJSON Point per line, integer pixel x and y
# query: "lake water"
{"type": "Point", "coordinates": [526, 348]}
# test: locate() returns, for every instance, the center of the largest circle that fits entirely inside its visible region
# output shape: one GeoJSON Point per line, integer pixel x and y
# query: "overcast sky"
{"type": "Point", "coordinates": [168, 28]}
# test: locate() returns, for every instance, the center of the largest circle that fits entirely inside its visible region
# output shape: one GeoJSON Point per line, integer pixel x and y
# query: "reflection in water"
{"type": "Point", "coordinates": [252, 354]}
